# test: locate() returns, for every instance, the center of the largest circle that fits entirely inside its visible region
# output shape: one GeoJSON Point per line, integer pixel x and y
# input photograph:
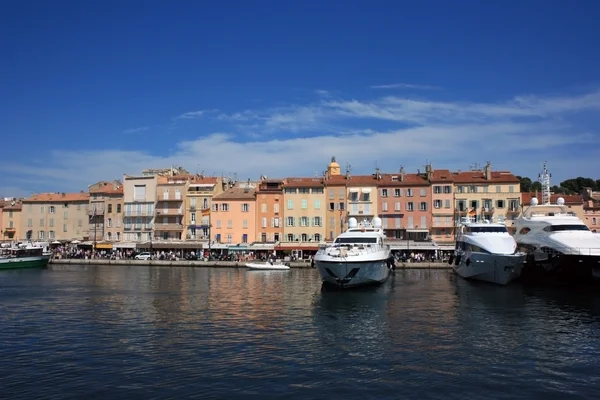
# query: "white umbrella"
{"type": "Point", "coordinates": [75, 242]}
{"type": "Point", "coordinates": [56, 242]}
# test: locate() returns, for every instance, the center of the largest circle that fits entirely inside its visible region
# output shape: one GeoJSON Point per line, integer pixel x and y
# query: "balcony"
{"type": "Point", "coordinates": [138, 213]}
{"type": "Point", "coordinates": [169, 211]}
{"type": "Point", "coordinates": [168, 227]}
{"type": "Point", "coordinates": [442, 211]}
{"type": "Point", "coordinates": [96, 210]}
{"type": "Point", "coordinates": [442, 224]}
{"type": "Point", "coordinates": [167, 197]}
{"type": "Point", "coordinates": [136, 227]}
{"type": "Point", "coordinates": [360, 213]}
{"type": "Point", "coordinates": [513, 210]}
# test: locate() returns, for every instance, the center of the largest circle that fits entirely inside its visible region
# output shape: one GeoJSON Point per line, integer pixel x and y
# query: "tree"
{"type": "Point", "coordinates": [525, 183]}
{"type": "Point", "coordinates": [536, 187]}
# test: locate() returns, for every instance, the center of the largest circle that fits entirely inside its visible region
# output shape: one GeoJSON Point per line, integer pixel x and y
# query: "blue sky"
{"type": "Point", "coordinates": [93, 90]}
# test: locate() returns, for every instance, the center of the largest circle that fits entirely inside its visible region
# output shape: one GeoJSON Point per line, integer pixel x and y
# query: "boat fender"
{"type": "Point", "coordinates": [451, 259]}
{"type": "Point", "coordinates": [468, 262]}
{"type": "Point", "coordinates": [458, 257]}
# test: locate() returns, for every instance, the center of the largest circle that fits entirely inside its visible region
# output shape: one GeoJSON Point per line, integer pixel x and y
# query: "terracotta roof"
{"type": "Point", "coordinates": [104, 187]}
{"type": "Point", "coordinates": [57, 197]}
{"type": "Point", "coordinates": [354, 180]}
{"type": "Point", "coordinates": [475, 177]}
{"type": "Point", "coordinates": [236, 193]}
{"type": "Point", "coordinates": [570, 200]}
{"type": "Point", "coordinates": [441, 176]}
{"type": "Point", "coordinates": [303, 182]}
{"type": "Point", "coordinates": [16, 207]}
{"type": "Point", "coordinates": [409, 180]}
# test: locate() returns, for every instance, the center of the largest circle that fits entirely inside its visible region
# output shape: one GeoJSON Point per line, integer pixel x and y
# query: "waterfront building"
{"type": "Point", "coordinates": [335, 188]}
{"type": "Point", "coordinates": [591, 209]}
{"type": "Point", "coordinates": [269, 210]}
{"type": "Point", "coordinates": [405, 205]}
{"type": "Point", "coordinates": [442, 205]}
{"type": "Point", "coordinates": [55, 216]}
{"type": "Point", "coordinates": [304, 213]}
{"type": "Point", "coordinates": [199, 194]}
{"type": "Point", "coordinates": [139, 200]}
{"type": "Point", "coordinates": [10, 219]}
{"type": "Point", "coordinates": [106, 213]}
{"type": "Point", "coordinates": [169, 214]}
{"type": "Point", "coordinates": [487, 195]}
{"type": "Point", "coordinates": [233, 215]}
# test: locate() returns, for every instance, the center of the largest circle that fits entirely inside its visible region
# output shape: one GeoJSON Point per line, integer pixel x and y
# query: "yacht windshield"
{"type": "Point", "coordinates": [350, 240]}
{"type": "Point", "coordinates": [486, 229]}
{"type": "Point", "coordinates": [559, 228]}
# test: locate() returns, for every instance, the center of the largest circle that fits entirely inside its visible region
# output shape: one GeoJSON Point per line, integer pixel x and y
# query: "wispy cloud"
{"type": "Point", "coordinates": [132, 131]}
{"type": "Point", "coordinates": [195, 114]}
{"type": "Point", "coordinates": [323, 93]}
{"type": "Point", "coordinates": [514, 134]}
{"type": "Point", "coordinates": [410, 86]}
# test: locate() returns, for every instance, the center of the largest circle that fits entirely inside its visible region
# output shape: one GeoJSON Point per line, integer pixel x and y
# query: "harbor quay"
{"type": "Point", "coordinates": [220, 264]}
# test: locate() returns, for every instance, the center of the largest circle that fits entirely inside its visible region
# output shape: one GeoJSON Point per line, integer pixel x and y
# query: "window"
{"type": "Point", "coordinates": [42, 209]}
{"type": "Point", "coordinates": [317, 237]}
{"type": "Point", "coordinates": [384, 206]}
{"type": "Point", "coordinates": [66, 215]}
{"type": "Point", "coordinates": [290, 204]}
{"type": "Point", "coordinates": [498, 189]}
{"type": "Point", "coordinates": [276, 208]}
{"type": "Point", "coordinates": [304, 237]}
{"type": "Point", "coordinates": [118, 208]}
{"type": "Point", "coordinates": [422, 192]}
{"type": "Point", "coordinates": [384, 193]}
{"type": "Point", "coordinates": [245, 224]}
{"type": "Point", "coordinates": [11, 224]}
{"type": "Point", "coordinates": [304, 204]}
{"type": "Point", "coordinates": [317, 204]}
{"type": "Point", "coordinates": [423, 206]}
{"type": "Point", "coordinates": [276, 222]}
{"type": "Point", "coordinates": [51, 209]}
{"type": "Point", "coordinates": [486, 189]}
{"type": "Point", "coordinates": [437, 204]}
{"type": "Point", "coordinates": [304, 190]}
{"type": "Point", "coordinates": [30, 223]}
{"type": "Point", "coordinates": [289, 190]}
{"type": "Point", "coordinates": [461, 205]}
{"type": "Point", "coordinates": [437, 189]}
{"type": "Point", "coordinates": [139, 193]}
{"type": "Point", "coordinates": [276, 237]}
{"type": "Point", "coordinates": [41, 235]}
{"type": "Point", "coordinates": [331, 193]}
{"type": "Point", "coordinates": [331, 206]}
{"type": "Point", "coordinates": [513, 205]}
{"type": "Point", "coordinates": [397, 192]}
{"type": "Point", "coordinates": [447, 204]}
{"type": "Point", "coordinates": [447, 189]}
{"type": "Point", "coordinates": [397, 206]}
{"type": "Point", "coordinates": [366, 196]}
{"type": "Point", "coordinates": [109, 210]}
{"type": "Point", "coordinates": [409, 192]}
{"type": "Point", "coordinates": [229, 238]}
{"type": "Point", "coordinates": [474, 204]}
{"type": "Point", "coordinates": [317, 190]}
{"type": "Point", "coordinates": [218, 224]}
{"type": "Point", "coordinates": [410, 206]}
{"type": "Point", "coordinates": [290, 237]}
{"type": "Point", "coordinates": [215, 207]}
{"type": "Point", "coordinates": [224, 206]}
{"type": "Point", "coordinates": [332, 222]}
{"type": "Point", "coordinates": [317, 221]}
{"type": "Point", "coordinates": [289, 221]}
{"type": "Point", "coordinates": [41, 222]}
{"type": "Point", "coordinates": [500, 203]}
{"type": "Point", "coordinates": [304, 221]}
{"type": "Point", "coordinates": [263, 222]}
{"type": "Point", "coordinates": [511, 189]}
{"type": "Point", "coordinates": [263, 208]}
{"type": "Point", "coordinates": [229, 224]}
{"type": "Point", "coordinates": [51, 222]}
{"type": "Point", "coordinates": [487, 205]}
{"type": "Point", "coordinates": [342, 193]}
{"type": "Point", "coordinates": [473, 189]}
{"type": "Point", "coordinates": [51, 235]}
{"type": "Point", "coordinates": [109, 223]}
{"type": "Point", "coordinates": [342, 207]}
{"type": "Point", "coordinates": [353, 196]}
{"type": "Point", "coordinates": [246, 207]}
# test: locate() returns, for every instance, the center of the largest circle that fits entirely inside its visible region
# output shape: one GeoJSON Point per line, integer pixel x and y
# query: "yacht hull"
{"type": "Point", "coordinates": [350, 274]}
{"type": "Point", "coordinates": [500, 269]}
{"type": "Point", "coordinates": [564, 268]}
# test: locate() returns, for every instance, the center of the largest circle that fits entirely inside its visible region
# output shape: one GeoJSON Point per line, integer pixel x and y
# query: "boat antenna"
{"type": "Point", "coordinates": [544, 179]}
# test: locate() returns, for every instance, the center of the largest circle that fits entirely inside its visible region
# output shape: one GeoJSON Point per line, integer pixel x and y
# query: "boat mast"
{"type": "Point", "coordinates": [544, 179]}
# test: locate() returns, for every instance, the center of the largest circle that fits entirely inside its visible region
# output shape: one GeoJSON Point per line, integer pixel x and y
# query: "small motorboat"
{"type": "Point", "coordinates": [267, 265]}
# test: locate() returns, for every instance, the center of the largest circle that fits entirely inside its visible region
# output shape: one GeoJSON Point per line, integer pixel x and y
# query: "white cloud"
{"type": "Point", "coordinates": [391, 131]}
{"type": "Point", "coordinates": [195, 114]}
{"type": "Point", "coordinates": [409, 86]}
{"type": "Point", "coordinates": [323, 93]}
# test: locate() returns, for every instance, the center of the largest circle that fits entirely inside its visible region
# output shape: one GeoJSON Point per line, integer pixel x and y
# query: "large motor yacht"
{"type": "Point", "coordinates": [485, 251]}
{"type": "Point", "coordinates": [559, 245]}
{"type": "Point", "coordinates": [357, 257]}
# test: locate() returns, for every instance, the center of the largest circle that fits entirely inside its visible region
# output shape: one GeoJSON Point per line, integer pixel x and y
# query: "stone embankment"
{"type": "Point", "coordinates": [216, 264]}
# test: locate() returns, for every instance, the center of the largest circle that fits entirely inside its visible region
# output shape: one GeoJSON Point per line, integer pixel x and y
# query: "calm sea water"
{"type": "Point", "coordinates": [156, 333]}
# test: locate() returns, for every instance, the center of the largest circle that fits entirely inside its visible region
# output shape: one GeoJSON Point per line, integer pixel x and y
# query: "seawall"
{"type": "Point", "coordinates": [216, 264]}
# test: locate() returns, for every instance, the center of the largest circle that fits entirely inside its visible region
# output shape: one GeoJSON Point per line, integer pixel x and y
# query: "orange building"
{"type": "Point", "coordinates": [269, 210]}
{"type": "Point", "coordinates": [405, 205]}
{"type": "Point", "coordinates": [233, 216]}
{"type": "Point", "coordinates": [591, 209]}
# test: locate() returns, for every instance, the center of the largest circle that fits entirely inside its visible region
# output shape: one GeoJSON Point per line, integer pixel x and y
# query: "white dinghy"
{"type": "Point", "coordinates": [267, 266]}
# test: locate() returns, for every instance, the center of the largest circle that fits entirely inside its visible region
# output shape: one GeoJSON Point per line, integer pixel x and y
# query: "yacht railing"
{"type": "Point", "coordinates": [567, 250]}
{"type": "Point", "coordinates": [337, 250]}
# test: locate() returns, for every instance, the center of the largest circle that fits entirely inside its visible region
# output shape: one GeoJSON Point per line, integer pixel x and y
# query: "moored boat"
{"type": "Point", "coordinates": [357, 257]}
{"type": "Point", "coordinates": [23, 257]}
{"type": "Point", "coordinates": [267, 266]}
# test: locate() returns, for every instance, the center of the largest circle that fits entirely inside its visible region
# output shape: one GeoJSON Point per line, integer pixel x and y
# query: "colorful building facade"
{"type": "Point", "coordinates": [10, 220]}
{"type": "Point", "coordinates": [105, 213]}
{"type": "Point", "coordinates": [233, 216]}
{"type": "Point", "coordinates": [304, 211]}
{"type": "Point", "coordinates": [270, 209]}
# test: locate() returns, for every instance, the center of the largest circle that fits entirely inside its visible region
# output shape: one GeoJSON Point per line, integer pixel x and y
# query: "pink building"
{"type": "Point", "coordinates": [233, 216]}
{"type": "Point", "coordinates": [405, 205]}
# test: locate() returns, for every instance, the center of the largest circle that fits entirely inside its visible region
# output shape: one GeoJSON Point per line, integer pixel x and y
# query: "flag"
{"type": "Point", "coordinates": [206, 212]}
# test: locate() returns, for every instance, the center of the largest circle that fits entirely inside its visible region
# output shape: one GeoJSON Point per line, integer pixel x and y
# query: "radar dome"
{"type": "Point", "coordinates": [377, 222]}
{"type": "Point", "coordinates": [560, 201]}
{"type": "Point", "coordinates": [534, 201]}
{"type": "Point", "coordinates": [352, 223]}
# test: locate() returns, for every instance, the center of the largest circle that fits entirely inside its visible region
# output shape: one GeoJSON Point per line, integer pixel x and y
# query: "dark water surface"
{"type": "Point", "coordinates": [75, 332]}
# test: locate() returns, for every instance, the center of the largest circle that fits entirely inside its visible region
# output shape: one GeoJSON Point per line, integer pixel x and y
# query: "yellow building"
{"type": "Point", "coordinates": [198, 199]}
{"type": "Point", "coordinates": [486, 194]}
{"type": "Point", "coordinates": [335, 192]}
{"type": "Point", "coordinates": [106, 213]}
{"type": "Point", "coordinates": [361, 195]}
{"type": "Point", "coordinates": [304, 212]}
{"type": "Point", "coordinates": [11, 220]}
{"type": "Point", "coordinates": [56, 216]}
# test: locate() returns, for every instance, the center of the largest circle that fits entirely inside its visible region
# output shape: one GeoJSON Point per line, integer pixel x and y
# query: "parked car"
{"type": "Point", "coordinates": [143, 256]}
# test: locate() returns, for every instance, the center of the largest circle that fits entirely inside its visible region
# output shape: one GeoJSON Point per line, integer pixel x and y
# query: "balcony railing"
{"type": "Point", "coordinates": [137, 213]}
{"type": "Point", "coordinates": [169, 211]}
{"type": "Point", "coordinates": [443, 224]}
{"type": "Point", "coordinates": [168, 227]}
{"type": "Point", "coordinates": [136, 227]}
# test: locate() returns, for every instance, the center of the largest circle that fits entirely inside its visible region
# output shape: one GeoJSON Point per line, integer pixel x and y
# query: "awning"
{"type": "Point", "coordinates": [126, 245]}
{"type": "Point", "coordinates": [366, 190]}
{"type": "Point", "coordinates": [204, 185]}
{"type": "Point", "coordinates": [107, 246]}
{"type": "Point", "coordinates": [353, 190]}
{"type": "Point", "coordinates": [418, 230]}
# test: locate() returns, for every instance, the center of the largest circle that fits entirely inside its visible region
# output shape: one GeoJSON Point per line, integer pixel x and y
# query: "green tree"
{"type": "Point", "coordinates": [525, 183]}
{"type": "Point", "coordinates": [536, 186]}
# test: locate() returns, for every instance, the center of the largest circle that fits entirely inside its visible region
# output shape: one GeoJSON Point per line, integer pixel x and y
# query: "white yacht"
{"type": "Point", "coordinates": [558, 244]}
{"type": "Point", "coordinates": [357, 257]}
{"type": "Point", "coordinates": [485, 251]}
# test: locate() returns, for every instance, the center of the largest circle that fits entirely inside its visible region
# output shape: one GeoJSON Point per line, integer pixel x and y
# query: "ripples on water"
{"type": "Point", "coordinates": [135, 332]}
